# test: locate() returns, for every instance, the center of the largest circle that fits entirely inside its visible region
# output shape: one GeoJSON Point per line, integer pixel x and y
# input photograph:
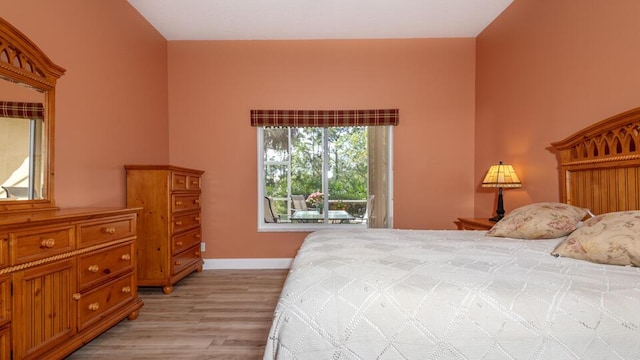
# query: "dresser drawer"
{"type": "Point", "coordinates": [106, 263]}
{"type": "Point", "coordinates": [185, 202]}
{"type": "Point", "coordinates": [182, 242]}
{"type": "Point", "coordinates": [185, 259]}
{"type": "Point", "coordinates": [93, 233]}
{"type": "Point", "coordinates": [41, 242]}
{"type": "Point", "coordinates": [95, 304]}
{"type": "Point", "coordinates": [184, 222]}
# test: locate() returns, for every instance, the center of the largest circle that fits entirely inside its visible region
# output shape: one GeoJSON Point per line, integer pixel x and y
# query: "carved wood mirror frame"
{"type": "Point", "coordinates": [21, 61]}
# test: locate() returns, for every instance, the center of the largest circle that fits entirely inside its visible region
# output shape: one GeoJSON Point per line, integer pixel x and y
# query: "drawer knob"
{"type": "Point", "coordinates": [180, 181]}
{"type": "Point", "coordinates": [198, 236]}
{"type": "Point", "coordinates": [93, 268]}
{"type": "Point", "coordinates": [179, 243]}
{"type": "Point", "coordinates": [196, 201]}
{"type": "Point", "coordinates": [178, 263]}
{"type": "Point", "coordinates": [110, 230]}
{"type": "Point", "coordinates": [76, 296]}
{"type": "Point", "coordinates": [126, 290]}
{"type": "Point", "coordinates": [178, 222]}
{"type": "Point", "coordinates": [197, 253]}
{"type": "Point", "coordinates": [197, 218]}
{"type": "Point", "coordinates": [178, 202]}
{"type": "Point", "coordinates": [194, 182]}
{"type": "Point", "coordinates": [126, 257]}
{"type": "Point", "coordinates": [94, 306]}
{"type": "Point", "coordinates": [47, 243]}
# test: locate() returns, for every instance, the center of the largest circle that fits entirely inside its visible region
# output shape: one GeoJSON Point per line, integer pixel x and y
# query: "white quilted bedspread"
{"type": "Point", "coordinates": [403, 294]}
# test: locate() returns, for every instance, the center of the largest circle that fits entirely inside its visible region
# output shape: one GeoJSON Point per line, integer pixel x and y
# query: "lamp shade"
{"type": "Point", "coordinates": [501, 176]}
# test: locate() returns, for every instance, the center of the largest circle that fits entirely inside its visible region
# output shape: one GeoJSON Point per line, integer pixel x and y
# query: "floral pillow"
{"type": "Point", "coordinates": [547, 220]}
{"type": "Point", "coordinates": [611, 238]}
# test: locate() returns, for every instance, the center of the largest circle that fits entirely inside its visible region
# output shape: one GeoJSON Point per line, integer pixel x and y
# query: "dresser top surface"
{"type": "Point", "coordinates": [163, 167]}
{"type": "Point", "coordinates": [71, 214]}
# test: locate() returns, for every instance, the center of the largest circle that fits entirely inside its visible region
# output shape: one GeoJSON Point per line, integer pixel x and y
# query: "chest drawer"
{"type": "Point", "coordinates": [185, 259]}
{"type": "Point", "coordinates": [193, 182]}
{"type": "Point", "coordinates": [97, 303]}
{"type": "Point", "coordinates": [39, 243]}
{"type": "Point", "coordinates": [94, 233]}
{"type": "Point", "coordinates": [182, 242]}
{"type": "Point", "coordinates": [182, 181]}
{"type": "Point", "coordinates": [185, 202]}
{"type": "Point", "coordinates": [184, 222]}
{"type": "Point", "coordinates": [106, 263]}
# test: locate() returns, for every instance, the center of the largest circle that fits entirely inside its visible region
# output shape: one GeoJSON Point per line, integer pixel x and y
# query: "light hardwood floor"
{"type": "Point", "coordinates": [215, 314]}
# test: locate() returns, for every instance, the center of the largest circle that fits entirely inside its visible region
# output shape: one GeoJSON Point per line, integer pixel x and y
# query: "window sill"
{"type": "Point", "coordinates": [305, 227]}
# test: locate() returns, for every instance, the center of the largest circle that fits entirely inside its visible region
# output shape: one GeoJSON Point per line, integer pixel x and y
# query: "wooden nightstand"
{"type": "Point", "coordinates": [474, 223]}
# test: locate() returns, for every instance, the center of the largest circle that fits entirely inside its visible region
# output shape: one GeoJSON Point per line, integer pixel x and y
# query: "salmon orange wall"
{"type": "Point", "coordinates": [541, 70]}
{"type": "Point", "coordinates": [545, 69]}
{"type": "Point", "coordinates": [213, 85]}
{"type": "Point", "coordinates": [111, 105]}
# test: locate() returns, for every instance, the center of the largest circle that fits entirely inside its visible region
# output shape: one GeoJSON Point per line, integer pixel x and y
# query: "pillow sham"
{"type": "Point", "coordinates": [611, 238]}
{"type": "Point", "coordinates": [546, 220]}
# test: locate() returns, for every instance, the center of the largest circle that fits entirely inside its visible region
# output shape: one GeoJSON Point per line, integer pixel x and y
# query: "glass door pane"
{"type": "Point", "coordinates": [276, 169]}
{"type": "Point", "coordinates": [347, 173]}
{"type": "Point", "coordinates": [306, 173]}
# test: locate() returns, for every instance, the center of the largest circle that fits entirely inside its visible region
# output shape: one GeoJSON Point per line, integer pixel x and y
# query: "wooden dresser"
{"type": "Point", "coordinates": [66, 276]}
{"type": "Point", "coordinates": [169, 231]}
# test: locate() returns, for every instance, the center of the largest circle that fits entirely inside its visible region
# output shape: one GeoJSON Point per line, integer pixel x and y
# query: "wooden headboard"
{"type": "Point", "coordinates": [600, 165]}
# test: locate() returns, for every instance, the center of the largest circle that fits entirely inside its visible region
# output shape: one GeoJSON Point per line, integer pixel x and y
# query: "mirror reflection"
{"type": "Point", "coordinates": [22, 143]}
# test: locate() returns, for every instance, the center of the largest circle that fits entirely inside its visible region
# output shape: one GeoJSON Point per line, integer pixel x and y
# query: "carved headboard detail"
{"type": "Point", "coordinates": [600, 165]}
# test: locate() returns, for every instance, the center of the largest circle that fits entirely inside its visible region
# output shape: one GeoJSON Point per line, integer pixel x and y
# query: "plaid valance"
{"type": "Point", "coordinates": [324, 118]}
{"type": "Point", "coordinates": [23, 110]}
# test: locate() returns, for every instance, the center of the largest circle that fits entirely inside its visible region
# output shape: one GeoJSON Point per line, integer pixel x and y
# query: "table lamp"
{"type": "Point", "coordinates": [501, 176]}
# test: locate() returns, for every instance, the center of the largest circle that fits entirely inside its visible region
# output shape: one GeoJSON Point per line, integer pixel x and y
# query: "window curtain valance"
{"type": "Point", "coordinates": [324, 118]}
{"type": "Point", "coordinates": [23, 110]}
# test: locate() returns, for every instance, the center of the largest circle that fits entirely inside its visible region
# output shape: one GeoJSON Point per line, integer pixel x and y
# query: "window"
{"type": "Point", "coordinates": [324, 168]}
{"type": "Point", "coordinates": [313, 177]}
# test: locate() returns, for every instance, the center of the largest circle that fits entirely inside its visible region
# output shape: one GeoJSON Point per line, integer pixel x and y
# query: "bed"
{"type": "Point", "coordinates": [421, 294]}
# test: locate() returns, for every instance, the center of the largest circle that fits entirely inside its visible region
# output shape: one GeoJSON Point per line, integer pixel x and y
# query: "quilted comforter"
{"type": "Point", "coordinates": [403, 294]}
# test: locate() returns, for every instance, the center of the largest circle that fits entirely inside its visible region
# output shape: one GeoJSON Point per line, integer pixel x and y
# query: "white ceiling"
{"type": "Point", "coordinates": [318, 19]}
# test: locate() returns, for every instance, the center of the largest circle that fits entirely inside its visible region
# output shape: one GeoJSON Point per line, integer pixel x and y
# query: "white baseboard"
{"type": "Point", "coordinates": [274, 263]}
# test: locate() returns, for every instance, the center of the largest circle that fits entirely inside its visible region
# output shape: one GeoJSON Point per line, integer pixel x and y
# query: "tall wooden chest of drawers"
{"type": "Point", "coordinates": [66, 276]}
{"type": "Point", "coordinates": [169, 231]}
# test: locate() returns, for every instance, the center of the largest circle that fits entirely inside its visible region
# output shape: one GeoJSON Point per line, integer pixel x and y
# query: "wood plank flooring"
{"type": "Point", "coordinates": [214, 314]}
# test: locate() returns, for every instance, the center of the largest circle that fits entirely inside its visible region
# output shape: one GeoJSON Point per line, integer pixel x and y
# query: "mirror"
{"type": "Point", "coordinates": [27, 93]}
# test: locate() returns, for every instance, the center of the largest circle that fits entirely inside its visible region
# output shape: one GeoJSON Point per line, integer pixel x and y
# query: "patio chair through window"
{"type": "Point", "coordinates": [298, 202]}
{"type": "Point", "coordinates": [16, 192]}
{"type": "Point", "coordinates": [367, 211]}
{"type": "Point", "coordinates": [270, 213]}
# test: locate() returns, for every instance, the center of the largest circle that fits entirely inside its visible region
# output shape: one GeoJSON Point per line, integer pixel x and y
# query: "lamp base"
{"type": "Point", "coordinates": [500, 209]}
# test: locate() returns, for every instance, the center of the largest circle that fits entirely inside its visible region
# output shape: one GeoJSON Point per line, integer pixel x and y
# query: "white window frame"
{"type": "Point", "coordinates": [303, 227]}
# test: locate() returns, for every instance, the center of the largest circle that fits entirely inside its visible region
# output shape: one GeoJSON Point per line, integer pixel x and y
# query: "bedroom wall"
{"type": "Point", "coordinates": [214, 84]}
{"type": "Point", "coordinates": [111, 105]}
{"type": "Point", "coordinates": [545, 69]}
